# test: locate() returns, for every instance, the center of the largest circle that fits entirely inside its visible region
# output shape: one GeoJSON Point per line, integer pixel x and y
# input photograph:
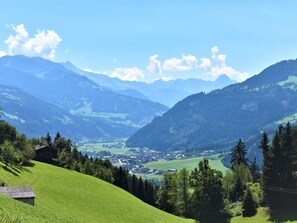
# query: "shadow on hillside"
{"type": "Point", "coordinates": [16, 173]}
{"type": "Point", "coordinates": [221, 219]}
{"type": "Point", "coordinates": [283, 215]}
{"type": "Point", "coordinates": [26, 169]}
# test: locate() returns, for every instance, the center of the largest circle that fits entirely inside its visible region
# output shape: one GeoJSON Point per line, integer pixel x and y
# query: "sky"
{"type": "Point", "coordinates": [146, 40]}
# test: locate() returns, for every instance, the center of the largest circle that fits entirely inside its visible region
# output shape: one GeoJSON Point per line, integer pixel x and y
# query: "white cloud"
{"type": "Point", "coordinates": [218, 66]}
{"type": "Point", "coordinates": [2, 53]}
{"type": "Point", "coordinates": [186, 66]}
{"type": "Point", "coordinates": [44, 42]}
{"type": "Point", "coordinates": [155, 65]}
{"type": "Point", "coordinates": [175, 64]}
{"type": "Point", "coordinates": [186, 63]}
{"type": "Point", "coordinates": [214, 51]}
{"type": "Point", "coordinates": [128, 74]}
{"type": "Point", "coordinates": [166, 78]}
{"type": "Point", "coordinates": [190, 60]}
{"type": "Point", "coordinates": [88, 70]}
{"type": "Point", "coordinates": [221, 58]}
{"type": "Point", "coordinates": [205, 62]}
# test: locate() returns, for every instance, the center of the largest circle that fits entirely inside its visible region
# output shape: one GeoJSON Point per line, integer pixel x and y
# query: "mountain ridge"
{"type": "Point", "coordinates": [219, 118]}
{"type": "Point", "coordinates": [90, 103]}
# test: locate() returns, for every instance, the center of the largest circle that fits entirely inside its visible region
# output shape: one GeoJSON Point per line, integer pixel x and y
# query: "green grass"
{"type": "Point", "coordinates": [67, 196]}
{"type": "Point", "coordinates": [291, 119]}
{"type": "Point", "coordinates": [290, 80]}
{"type": "Point", "coordinates": [189, 164]}
{"type": "Point", "coordinates": [97, 147]}
{"type": "Point", "coordinates": [262, 216]}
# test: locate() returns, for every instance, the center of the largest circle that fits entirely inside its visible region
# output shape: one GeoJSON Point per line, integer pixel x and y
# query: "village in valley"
{"type": "Point", "coordinates": [133, 159]}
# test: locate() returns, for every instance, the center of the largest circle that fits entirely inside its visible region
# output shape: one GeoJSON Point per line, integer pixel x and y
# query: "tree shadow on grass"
{"type": "Point", "coordinates": [219, 219]}
{"type": "Point", "coordinates": [283, 215]}
{"type": "Point", "coordinates": [26, 169]}
{"type": "Point", "coordinates": [15, 173]}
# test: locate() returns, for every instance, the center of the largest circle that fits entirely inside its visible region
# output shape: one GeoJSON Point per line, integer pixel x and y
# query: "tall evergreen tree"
{"type": "Point", "coordinates": [279, 169]}
{"type": "Point", "coordinates": [48, 139]}
{"type": "Point", "coordinates": [238, 154]}
{"type": "Point", "coordinates": [255, 171]}
{"type": "Point", "coordinates": [249, 205]}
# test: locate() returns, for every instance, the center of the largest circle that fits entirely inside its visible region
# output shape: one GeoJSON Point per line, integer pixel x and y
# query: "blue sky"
{"type": "Point", "coordinates": [149, 39]}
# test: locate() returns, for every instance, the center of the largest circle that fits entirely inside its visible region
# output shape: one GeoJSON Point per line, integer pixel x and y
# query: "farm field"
{"type": "Point", "coordinates": [105, 146]}
{"type": "Point", "coordinates": [68, 196]}
{"type": "Point", "coordinates": [189, 164]}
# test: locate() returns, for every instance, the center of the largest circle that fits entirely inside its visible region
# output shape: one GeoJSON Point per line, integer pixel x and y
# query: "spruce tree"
{"type": "Point", "coordinates": [238, 154]}
{"type": "Point", "coordinates": [255, 171]}
{"type": "Point", "coordinates": [249, 205]}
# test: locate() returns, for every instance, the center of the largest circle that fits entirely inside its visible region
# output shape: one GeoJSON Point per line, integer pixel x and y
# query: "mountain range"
{"type": "Point", "coordinates": [216, 120]}
{"type": "Point", "coordinates": [95, 108]}
{"type": "Point", "coordinates": [164, 92]}
{"type": "Point", "coordinates": [40, 96]}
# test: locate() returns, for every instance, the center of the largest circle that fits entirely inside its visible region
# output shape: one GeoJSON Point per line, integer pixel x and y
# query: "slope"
{"type": "Point", "coordinates": [216, 120]}
{"type": "Point", "coordinates": [67, 195]}
{"type": "Point", "coordinates": [35, 117]}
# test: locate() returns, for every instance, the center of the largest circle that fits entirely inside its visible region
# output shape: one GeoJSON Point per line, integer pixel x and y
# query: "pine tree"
{"type": "Point", "coordinates": [249, 205]}
{"type": "Point", "coordinates": [255, 171]}
{"type": "Point", "coordinates": [238, 154]}
{"type": "Point", "coordinates": [48, 139]}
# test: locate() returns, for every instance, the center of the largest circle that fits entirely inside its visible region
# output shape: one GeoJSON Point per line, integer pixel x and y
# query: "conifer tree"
{"type": "Point", "coordinates": [249, 205]}
{"type": "Point", "coordinates": [208, 192]}
{"type": "Point", "coordinates": [238, 154]}
{"type": "Point", "coordinates": [255, 171]}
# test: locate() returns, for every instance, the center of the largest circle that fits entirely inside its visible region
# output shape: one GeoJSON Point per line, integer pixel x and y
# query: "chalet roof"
{"type": "Point", "coordinates": [41, 147]}
{"type": "Point", "coordinates": [17, 192]}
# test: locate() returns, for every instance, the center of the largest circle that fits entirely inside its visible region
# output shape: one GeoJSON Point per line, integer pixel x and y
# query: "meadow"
{"type": "Point", "coordinates": [190, 164]}
{"type": "Point", "coordinates": [105, 146]}
{"type": "Point", "coordinates": [68, 196]}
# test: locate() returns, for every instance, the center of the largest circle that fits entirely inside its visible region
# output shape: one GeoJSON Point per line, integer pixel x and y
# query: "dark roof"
{"type": "Point", "coordinates": [17, 192]}
{"type": "Point", "coordinates": [41, 147]}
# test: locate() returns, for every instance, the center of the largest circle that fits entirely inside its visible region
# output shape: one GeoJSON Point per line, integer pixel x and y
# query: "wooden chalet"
{"type": "Point", "coordinates": [46, 154]}
{"type": "Point", "coordinates": [24, 194]}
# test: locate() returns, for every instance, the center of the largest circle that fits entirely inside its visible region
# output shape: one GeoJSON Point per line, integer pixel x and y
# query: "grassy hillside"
{"type": "Point", "coordinates": [68, 196]}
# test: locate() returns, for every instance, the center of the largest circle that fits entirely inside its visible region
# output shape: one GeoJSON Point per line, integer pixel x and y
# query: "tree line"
{"type": "Point", "coordinates": [208, 196]}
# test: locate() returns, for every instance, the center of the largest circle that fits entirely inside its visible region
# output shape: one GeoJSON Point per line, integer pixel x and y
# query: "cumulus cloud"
{"type": "Point", "coordinates": [220, 67]}
{"type": "Point", "coordinates": [128, 74]}
{"type": "Point", "coordinates": [214, 51]}
{"type": "Point", "coordinates": [44, 42]}
{"type": "Point", "coordinates": [190, 60]}
{"type": "Point", "coordinates": [208, 67]}
{"type": "Point", "coordinates": [175, 64]}
{"type": "Point", "coordinates": [186, 63]}
{"type": "Point", "coordinates": [205, 62]}
{"type": "Point", "coordinates": [155, 65]}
